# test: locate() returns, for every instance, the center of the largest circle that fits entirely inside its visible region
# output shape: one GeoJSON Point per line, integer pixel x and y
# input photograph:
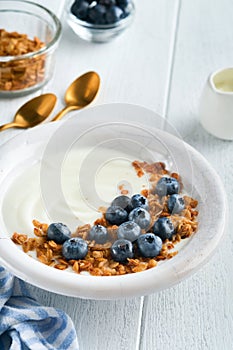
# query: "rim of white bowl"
{"type": "Point", "coordinates": [131, 285]}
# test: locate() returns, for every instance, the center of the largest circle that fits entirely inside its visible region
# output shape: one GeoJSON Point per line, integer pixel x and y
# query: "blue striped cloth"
{"type": "Point", "coordinates": [25, 324]}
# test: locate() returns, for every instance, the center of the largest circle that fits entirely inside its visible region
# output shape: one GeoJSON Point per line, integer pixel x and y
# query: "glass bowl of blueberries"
{"type": "Point", "coordinates": [100, 20]}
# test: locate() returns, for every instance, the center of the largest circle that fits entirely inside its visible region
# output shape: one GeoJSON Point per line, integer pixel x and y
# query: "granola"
{"type": "Point", "coordinates": [98, 261]}
{"type": "Point", "coordinates": [22, 73]}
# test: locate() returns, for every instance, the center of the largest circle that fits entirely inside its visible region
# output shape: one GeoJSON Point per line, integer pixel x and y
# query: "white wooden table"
{"type": "Point", "coordinates": [161, 62]}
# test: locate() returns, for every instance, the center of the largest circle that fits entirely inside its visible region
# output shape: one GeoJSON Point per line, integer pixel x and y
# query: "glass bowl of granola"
{"type": "Point", "coordinates": [29, 36]}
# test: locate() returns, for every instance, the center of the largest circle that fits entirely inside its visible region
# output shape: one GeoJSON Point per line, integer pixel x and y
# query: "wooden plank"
{"type": "Point", "coordinates": [99, 324]}
{"type": "Point", "coordinates": [53, 5]}
{"type": "Point", "coordinates": [197, 314]}
{"type": "Point", "coordinates": [133, 67]}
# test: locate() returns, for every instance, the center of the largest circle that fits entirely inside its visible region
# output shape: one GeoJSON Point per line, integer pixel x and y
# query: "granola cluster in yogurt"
{"type": "Point", "coordinates": [134, 233]}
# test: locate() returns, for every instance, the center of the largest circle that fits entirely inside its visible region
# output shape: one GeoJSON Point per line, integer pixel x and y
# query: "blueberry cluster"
{"type": "Point", "coordinates": [169, 186]}
{"type": "Point", "coordinates": [72, 248]}
{"type": "Point", "coordinates": [132, 216]}
{"type": "Point", "coordinates": [101, 11]}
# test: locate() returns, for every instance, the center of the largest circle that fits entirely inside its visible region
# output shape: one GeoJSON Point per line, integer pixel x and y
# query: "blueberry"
{"type": "Point", "coordinates": [129, 230]}
{"type": "Point", "coordinates": [121, 250]}
{"type": "Point", "coordinates": [149, 245]}
{"type": "Point", "coordinates": [123, 202]}
{"type": "Point", "coordinates": [164, 228]}
{"type": "Point", "coordinates": [167, 185]}
{"type": "Point", "coordinates": [96, 14]}
{"type": "Point", "coordinates": [99, 234]}
{"type": "Point", "coordinates": [175, 204]}
{"type": "Point", "coordinates": [123, 3]}
{"type": "Point", "coordinates": [75, 248]}
{"type": "Point", "coordinates": [116, 215]}
{"type": "Point", "coordinates": [107, 2]}
{"type": "Point", "coordinates": [141, 217]}
{"type": "Point", "coordinates": [58, 233]}
{"type": "Point", "coordinates": [80, 8]}
{"type": "Point", "coordinates": [139, 201]}
{"type": "Point", "coordinates": [113, 14]}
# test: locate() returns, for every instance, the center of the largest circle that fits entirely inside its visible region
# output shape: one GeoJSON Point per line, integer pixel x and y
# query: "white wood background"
{"type": "Point", "coordinates": [162, 63]}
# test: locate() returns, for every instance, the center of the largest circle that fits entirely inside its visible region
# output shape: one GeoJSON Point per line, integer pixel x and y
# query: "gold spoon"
{"type": "Point", "coordinates": [80, 93]}
{"type": "Point", "coordinates": [32, 112]}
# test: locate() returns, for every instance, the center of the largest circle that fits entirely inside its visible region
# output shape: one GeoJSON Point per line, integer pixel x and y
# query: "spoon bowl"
{"type": "Point", "coordinates": [80, 93]}
{"type": "Point", "coordinates": [32, 112]}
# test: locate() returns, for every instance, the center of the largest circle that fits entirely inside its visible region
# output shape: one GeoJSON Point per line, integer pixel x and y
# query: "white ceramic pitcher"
{"type": "Point", "coordinates": [216, 105]}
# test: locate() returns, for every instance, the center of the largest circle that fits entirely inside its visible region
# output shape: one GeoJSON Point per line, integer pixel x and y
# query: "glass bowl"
{"type": "Point", "coordinates": [98, 32]}
{"type": "Point", "coordinates": [29, 35]}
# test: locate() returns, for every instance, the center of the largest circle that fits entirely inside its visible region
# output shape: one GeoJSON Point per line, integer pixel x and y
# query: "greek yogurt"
{"type": "Point", "coordinates": [84, 186]}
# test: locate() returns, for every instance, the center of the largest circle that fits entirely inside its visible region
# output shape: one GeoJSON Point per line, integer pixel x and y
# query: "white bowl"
{"type": "Point", "coordinates": [108, 131]}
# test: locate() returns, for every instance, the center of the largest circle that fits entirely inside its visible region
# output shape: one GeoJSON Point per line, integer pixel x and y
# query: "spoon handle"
{"type": "Point", "coordinates": [63, 112]}
{"type": "Point", "coordinates": [7, 126]}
